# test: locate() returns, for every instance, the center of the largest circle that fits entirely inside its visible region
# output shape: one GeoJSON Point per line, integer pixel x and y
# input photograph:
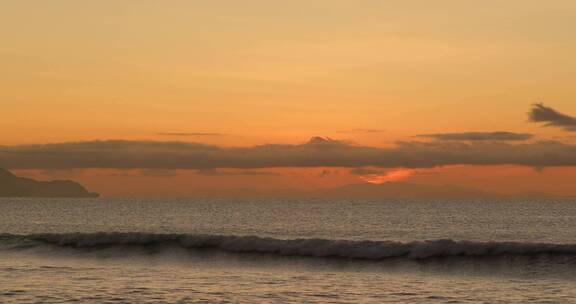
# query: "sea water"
{"type": "Point", "coordinates": [287, 251]}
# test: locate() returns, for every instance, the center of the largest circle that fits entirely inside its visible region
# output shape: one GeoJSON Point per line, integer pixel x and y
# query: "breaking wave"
{"type": "Point", "coordinates": [369, 250]}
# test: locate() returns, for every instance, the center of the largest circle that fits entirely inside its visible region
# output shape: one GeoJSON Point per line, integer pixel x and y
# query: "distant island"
{"type": "Point", "coordinates": [15, 186]}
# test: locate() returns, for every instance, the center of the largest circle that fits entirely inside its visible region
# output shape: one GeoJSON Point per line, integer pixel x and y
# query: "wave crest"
{"type": "Point", "coordinates": [371, 250]}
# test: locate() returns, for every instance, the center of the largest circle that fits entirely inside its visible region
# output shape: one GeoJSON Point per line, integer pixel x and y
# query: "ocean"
{"type": "Point", "coordinates": [287, 251]}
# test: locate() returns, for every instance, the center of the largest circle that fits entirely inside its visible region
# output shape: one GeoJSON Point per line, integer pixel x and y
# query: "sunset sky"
{"type": "Point", "coordinates": [171, 98]}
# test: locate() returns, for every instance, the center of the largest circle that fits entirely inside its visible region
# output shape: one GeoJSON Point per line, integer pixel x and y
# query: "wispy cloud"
{"type": "Point", "coordinates": [215, 172]}
{"type": "Point", "coordinates": [154, 173]}
{"type": "Point", "coordinates": [365, 171]}
{"type": "Point", "coordinates": [326, 172]}
{"type": "Point", "coordinates": [389, 176]}
{"type": "Point", "coordinates": [551, 117]}
{"type": "Point", "coordinates": [479, 136]}
{"type": "Point", "coordinates": [162, 173]}
{"type": "Point", "coordinates": [189, 134]}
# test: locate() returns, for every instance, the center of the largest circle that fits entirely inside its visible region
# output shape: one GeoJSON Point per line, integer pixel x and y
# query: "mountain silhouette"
{"type": "Point", "coordinates": [14, 186]}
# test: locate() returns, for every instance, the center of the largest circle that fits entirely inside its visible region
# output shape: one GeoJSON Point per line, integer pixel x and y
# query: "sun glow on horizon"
{"type": "Point", "coordinates": [390, 176]}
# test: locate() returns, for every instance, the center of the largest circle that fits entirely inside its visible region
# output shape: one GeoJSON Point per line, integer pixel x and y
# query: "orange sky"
{"type": "Point", "coordinates": [255, 71]}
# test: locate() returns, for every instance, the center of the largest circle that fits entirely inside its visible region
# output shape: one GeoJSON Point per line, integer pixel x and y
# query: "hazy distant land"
{"type": "Point", "coordinates": [14, 186]}
{"type": "Point", "coordinates": [388, 190]}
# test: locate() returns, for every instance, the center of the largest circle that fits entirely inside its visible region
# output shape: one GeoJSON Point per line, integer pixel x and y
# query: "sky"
{"type": "Point", "coordinates": [162, 98]}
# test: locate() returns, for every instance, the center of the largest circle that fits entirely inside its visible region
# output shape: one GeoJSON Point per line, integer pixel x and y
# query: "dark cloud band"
{"type": "Point", "coordinates": [319, 152]}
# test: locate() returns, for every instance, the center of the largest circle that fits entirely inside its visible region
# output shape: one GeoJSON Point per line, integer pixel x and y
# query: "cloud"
{"type": "Point", "coordinates": [188, 134]}
{"type": "Point", "coordinates": [365, 171]}
{"type": "Point", "coordinates": [215, 172]}
{"type": "Point", "coordinates": [479, 136]}
{"type": "Point", "coordinates": [159, 173]}
{"type": "Point", "coordinates": [68, 173]}
{"type": "Point", "coordinates": [552, 118]}
{"type": "Point", "coordinates": [318, 152]}
{"type": "Point", "coordinates": [390, 176]}
{"type": "Point", "coordinates": [326, 172]}
{"type": "Point", "coordinates": [154, 173]}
